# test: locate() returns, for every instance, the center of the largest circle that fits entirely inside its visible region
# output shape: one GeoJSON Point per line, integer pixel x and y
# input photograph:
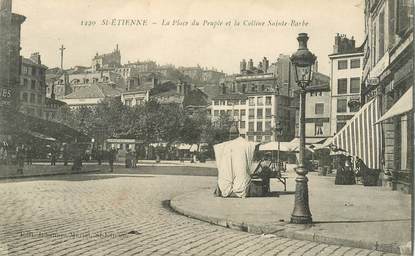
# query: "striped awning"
{"type": "Point", "coordinates": [360, 137]}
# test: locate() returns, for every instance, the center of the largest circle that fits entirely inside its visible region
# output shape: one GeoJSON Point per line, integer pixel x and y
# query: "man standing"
{"type": "Point", "coordinates": [111, 158]}
{"type": "Point", "coordinates": [20, 158]}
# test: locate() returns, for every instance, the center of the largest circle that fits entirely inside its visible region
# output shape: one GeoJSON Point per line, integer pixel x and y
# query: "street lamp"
{"type": "Point", "coordinates": [303, 61]}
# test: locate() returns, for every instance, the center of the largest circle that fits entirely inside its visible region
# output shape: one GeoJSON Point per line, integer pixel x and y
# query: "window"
{"type": "Point", "coordinates": [267, 112]}
{"type": "Point", "coordinates": [243, 102]}
{"type": "Point", "coordinates": [381, 40]}
{"type": "Point", "coordinates": [229, 102]}
{"type": "Point", "coordinates": [244, 88]}
{"type": "Point", "coordinates": [39, 99]}
{"type": "Point", "coordinates": [260, 101]}
{"type": "Point", "coordinates": [259, 113]}
{"type": "Point", "coordinates": [319, 108]}
{"type": "Point", "coordinates": [243, 112]}
{"type": "Point", "coordinates": [251, 126]}
{"type": "Point", "coordinates": [242, 124]}
{"type": "Point", "coordinates": [259, 126]}
{"type": "Point", "coordinates": [268, 126]}
{"type": "Point", "coordinates": [342, 64]}
{"type": "Point", "coordinates": [341, 106]}
{"type": "Point", "coordinates": [355, 63]}
{"type": "Point", "coordinates": [268, 101]}
{"type": "Point", "coordinates": [340, 125]}
{"type": "Point", "coordinates": [34, 71]}
{"type": "Point", "coordinates": [267, 138]}
{"type": "Point", "coordinates": [216, 113]}
{"type": "Point", "coordinates": [25, 82]}
{"type": "Point", "coordinates": [24, 97]}
{"type": "Point", "coordinates": [33, 85]}
{"type": "Point", "coordinates": [355, 85]}
{"type": "Point", "coordinates": [229, 112]}
{"type": "Point", "coordinates": [342, 86]}
{"type": "Point", "coordinates": [251, 138]}
{"type": "Point", "coordinates": [405, 17]}
{"type": "Point", "coordinates": [236, 113]}
{"type": "Point", "coordinates": [354, 105]}
{"type": "Point", "coordinates": [258, 138]}
{"type": "Point", "coordinates": [251, 113]}
{"type": "Point", "coordinates": [318, 129]}
{"type": "Point", "coordinates": [251, 101]}
{"type": "Point", "coordinates": [32, 98]}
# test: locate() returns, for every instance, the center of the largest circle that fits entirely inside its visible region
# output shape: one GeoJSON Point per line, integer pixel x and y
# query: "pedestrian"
{"type": "Point", "coordinates": [137, 155]}
{"type": "Point", "coordinates": [20, 158]}
{"type": "Point", "coordinates": [111, 158]}
{"type": "Point", "coordinates": [99, 155]}
{"type": "Point", "coordinates": [29, 156]}
{"type": "Point", "coordinates": [53, 155]}
{"type": "Point", "coordinates": [65, 154]}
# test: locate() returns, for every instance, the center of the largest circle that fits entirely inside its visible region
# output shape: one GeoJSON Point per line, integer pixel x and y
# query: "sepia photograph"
{"type": "Point", "coordinates": [191, 127]}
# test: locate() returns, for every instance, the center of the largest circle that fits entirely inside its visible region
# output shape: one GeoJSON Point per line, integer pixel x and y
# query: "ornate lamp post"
{"type": "Point", "coordinates": [303, 60]}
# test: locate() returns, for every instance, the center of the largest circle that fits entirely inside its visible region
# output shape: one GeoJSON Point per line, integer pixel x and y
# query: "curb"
{"type": "Point", "coordinates": [50, 174]}
{"type": "Point", "coordinates": [291, 231]}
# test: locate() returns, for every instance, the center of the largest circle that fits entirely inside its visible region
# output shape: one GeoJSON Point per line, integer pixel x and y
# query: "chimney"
{"type": "Point", "coordinates": [336, 47]}
{"type": "Point", "coordinates": [250, 64]}
{"type": "Point", "coordinates": [52, 94]}
{"type": "Point", "coordinates": [36, 58]}
{"type": "Point", "coordinates": [6, 6]}
{"type": "Point", "coordinates": [179, 87]}
{"type": "Point", "coordinates": [265, 65]}
{"type": "Point", "coordinates": [242, 65]}
{"type": "Point", "coordinates": [352, 43]}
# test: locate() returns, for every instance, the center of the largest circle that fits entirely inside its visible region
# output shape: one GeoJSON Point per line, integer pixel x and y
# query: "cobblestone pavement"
{"type": "Point", "coordinates": [123, 214]}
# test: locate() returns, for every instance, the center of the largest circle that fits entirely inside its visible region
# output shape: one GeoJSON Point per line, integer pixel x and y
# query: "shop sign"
{"type": "Point", "coordinates": [372, 81]}
{"type": "Point", "coordinates": [5, 96]}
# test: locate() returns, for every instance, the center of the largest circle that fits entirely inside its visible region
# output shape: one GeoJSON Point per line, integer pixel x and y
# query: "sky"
{"type": "Point", "coordinates": [51, 23]}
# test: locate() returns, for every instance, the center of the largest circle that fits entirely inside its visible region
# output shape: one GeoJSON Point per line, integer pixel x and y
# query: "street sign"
{"type": "Point", "coordinates": [372, 81]}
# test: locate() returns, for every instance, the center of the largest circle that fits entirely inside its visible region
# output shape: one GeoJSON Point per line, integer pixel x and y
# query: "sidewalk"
{"type": "Point", "coordinates": [356, 216]}
{"type": "Point", "coordinates": [37, 169]}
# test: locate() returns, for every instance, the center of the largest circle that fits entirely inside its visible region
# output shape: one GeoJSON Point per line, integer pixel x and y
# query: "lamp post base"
{"type": "Point", "coordinates": [301, 213]}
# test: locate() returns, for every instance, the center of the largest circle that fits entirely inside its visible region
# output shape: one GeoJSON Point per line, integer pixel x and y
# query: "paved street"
{"type": "Point", "coordinates": [124, 214]}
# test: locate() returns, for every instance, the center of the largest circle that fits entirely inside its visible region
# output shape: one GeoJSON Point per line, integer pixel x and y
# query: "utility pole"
{"type": "Point", "coordinates": [61, 50]}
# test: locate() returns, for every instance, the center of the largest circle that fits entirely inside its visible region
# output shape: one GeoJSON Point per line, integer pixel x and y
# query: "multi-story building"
{"type": "Point", "coordinates": [10, 24]}
{"type": "Point", "coordinates": [317, 112]}
{"type": "Point", "coordinates": [107, 61]}
{"type": "Point", "coordinates": [195, 73]}
{"type": "Point", "coordinates": [345, 80]}
{"type": "Point", "coordinates": [33, 86]}
{"type": "Point", "coordinates": [212, 76]}
{"type": "Point", "coordinates": [90, 96]}
{"type": "Point", "coordinates": [257, 114]}
{"type": "Point", "coordinates": [388, 77]}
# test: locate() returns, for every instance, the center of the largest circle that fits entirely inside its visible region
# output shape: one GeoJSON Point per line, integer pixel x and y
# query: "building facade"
{"type": "Point", "coordinates": [388, 69]}
{"type": "Point", "coordinates": [10, 25]}
{"type": "Point", "coordinates": [256, 114]}
{"type": "Point", "coordinates": [108, 60]}
{"type": "Point", "coordinates": [317, 112]}
{"type": "Point", "coordinates": [33, 86]}
{"type": "Point", "coordinates": [345, 81]}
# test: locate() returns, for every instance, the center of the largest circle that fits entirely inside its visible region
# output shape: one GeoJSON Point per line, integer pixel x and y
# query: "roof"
{"type": "Point", "coordinates": [323, 88]}
{"type": "Point", "coordinates": [54, 101]}
{"type": "Point", "coordinates": [94, 91]}
{"type": "Point", "coordinates": [234, 96]}
{"type": "Point", "coordinates": [195, 98]}
{"type": "Point", "coordinates": [31, 62]}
